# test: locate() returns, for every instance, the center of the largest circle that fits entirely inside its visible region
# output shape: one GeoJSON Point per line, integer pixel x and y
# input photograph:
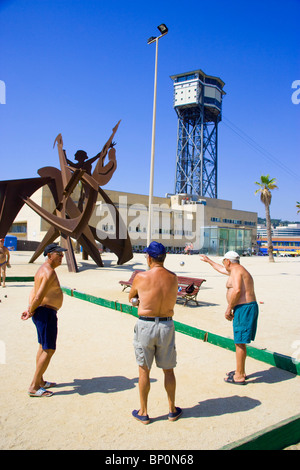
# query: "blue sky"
{"type": "Point", "coordinates": [78, 67]}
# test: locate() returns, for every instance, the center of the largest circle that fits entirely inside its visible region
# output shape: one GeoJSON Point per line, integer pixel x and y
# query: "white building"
{"type": "Point", "coordinates": [211, 225]}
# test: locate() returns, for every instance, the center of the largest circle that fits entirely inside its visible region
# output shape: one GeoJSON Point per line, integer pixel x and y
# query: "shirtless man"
{"type": "Point", "coordinates": [45, 300]}
{"type": "Point", "coordinates": [242, 308]}
{"type": "Point", "coordinates": [4, 261]}
{"type": "Point", "coordinates": [154, 333]}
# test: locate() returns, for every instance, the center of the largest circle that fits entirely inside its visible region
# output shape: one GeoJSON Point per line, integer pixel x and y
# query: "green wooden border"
{"type": "Point", "coordinates": [19, 279]}
{"type": "Point", "coordinates": [275, 359]}
{"type": "Point", "coordinates": [283, 434]}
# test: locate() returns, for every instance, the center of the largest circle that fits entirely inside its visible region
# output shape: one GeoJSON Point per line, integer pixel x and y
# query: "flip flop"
{"type": "Point", "coordinates": [142, 419]}
{"type": "Point", "coordinates": [49, 385]}
{"type": "Point", "coordinates": [232, 372]}
{"type": "Point", "coordinates": [175, 416]}
{"type": "Point", "coordinates": [230, 380]}
{"type": "Point", "coordinates": [41, 393]}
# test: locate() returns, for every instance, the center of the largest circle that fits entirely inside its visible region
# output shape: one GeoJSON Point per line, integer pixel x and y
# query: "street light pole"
{"type": "Point", "coordinates": [149, 229]}
{"type": "Point", "coordinates": [163, 29]}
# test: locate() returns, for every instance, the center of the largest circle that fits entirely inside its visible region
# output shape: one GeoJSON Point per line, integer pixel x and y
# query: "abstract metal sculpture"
{"type": "Point", "coordinates": [68, 219]}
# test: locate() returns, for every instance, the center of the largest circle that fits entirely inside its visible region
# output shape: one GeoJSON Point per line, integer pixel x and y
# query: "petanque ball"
{"type": "Point", "coordinates": [135, 301]}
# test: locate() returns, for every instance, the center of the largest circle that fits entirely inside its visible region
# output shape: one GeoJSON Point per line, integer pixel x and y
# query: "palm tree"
{"type": "Point", "coordinates": [298, 207]}
{"type": "Point", "coordinates": [266, 185]}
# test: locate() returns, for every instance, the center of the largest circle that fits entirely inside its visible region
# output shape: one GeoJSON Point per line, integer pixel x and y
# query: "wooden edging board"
{"type": "Point", "coordinates": [19, 279]}
{"type": "Point", "coordinates": [275, 359]}
{"type": "Point", "coordinates": [277, 437]}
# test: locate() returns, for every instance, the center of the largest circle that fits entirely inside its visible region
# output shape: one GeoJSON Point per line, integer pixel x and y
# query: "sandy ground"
{"type": "Point", "coordinates": [97, 376]}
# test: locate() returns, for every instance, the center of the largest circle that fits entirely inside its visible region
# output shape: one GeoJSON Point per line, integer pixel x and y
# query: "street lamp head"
{"type": "Point", "coordinates": [162, 28]}
{"type": "Point", "coordinates": [151, 40]}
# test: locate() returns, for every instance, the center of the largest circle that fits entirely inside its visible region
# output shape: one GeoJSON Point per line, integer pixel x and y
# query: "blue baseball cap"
{"type": "Point", "coordinates": [155, 250]}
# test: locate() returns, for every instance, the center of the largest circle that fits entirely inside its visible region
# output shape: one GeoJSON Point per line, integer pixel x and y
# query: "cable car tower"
{"type": "Point", "coordinates": [198, 104]}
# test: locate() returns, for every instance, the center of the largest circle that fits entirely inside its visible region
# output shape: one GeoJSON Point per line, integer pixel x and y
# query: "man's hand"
{"type": "Point", "coordinates": [25, 315]}
{"type": "Point", "coordinates": [229, 315]}
{"type": "Point", "coordinates": [204, 258]}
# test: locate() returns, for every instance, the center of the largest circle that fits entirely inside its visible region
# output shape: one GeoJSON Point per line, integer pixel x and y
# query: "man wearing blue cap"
{"type": "Point", "coordinates": [154, 333]}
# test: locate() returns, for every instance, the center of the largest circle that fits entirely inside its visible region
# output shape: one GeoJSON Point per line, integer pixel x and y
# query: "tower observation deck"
{"type": "Point", "coordinates": [198, 104]}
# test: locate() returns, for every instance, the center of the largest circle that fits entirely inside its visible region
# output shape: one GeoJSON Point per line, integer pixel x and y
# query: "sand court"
{"type": "Point", "coordinates": [97, 376]}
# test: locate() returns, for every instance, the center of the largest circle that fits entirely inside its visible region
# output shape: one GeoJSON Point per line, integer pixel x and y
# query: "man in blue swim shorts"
{"type": "Point", "coordinates": [45, 300]}
{"type": "Point", "coordinates": [242, 309]}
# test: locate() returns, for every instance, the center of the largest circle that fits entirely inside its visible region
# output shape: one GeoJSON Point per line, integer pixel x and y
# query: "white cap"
{"type": "Point", "coordinates": [231, 255]}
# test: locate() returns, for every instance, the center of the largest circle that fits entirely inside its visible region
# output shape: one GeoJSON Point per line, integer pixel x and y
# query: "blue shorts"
{"type": "Point", "coordinates": [45, 320]}
{"type": "Point", "coordinates": [245, 322]}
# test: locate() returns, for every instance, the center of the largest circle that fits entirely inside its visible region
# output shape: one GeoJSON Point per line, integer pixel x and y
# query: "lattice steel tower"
{"type": "Point", "coordinates": [198, 104]}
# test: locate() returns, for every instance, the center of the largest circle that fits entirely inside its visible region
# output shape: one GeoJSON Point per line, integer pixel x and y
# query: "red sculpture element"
{"type": "Point", "coordinates": [68, 219]}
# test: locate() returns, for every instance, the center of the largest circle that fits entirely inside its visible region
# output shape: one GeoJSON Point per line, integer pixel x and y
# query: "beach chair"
{"type": "Point", "coordinates": [188, 288]}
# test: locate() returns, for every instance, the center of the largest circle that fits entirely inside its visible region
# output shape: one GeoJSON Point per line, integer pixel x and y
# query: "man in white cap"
{"type": "Point", "coordinates": [242, 308]}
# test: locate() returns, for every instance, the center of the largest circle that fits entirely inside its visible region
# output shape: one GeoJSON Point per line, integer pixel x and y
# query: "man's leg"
{"type": "Point", "coordinates": [40, 350]}
{"type": "Point", "coordinates": [3, 275]}
{"type": "Point", "coordinates": [241, 354]}
{"type": "Point", "coordinates": [144, 388]}
{"type": "Point", "coordinates": [42, 362]}
{"type": "Point", "coordinates": [170, 386]}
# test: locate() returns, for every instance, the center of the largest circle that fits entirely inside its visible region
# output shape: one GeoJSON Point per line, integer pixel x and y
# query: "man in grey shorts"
{"type": "Point", "coordinates": [154, 333]}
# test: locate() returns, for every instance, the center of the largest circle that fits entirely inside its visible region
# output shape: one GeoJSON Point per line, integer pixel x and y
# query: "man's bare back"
{"type": "Point", "coordinates": [157, 291]}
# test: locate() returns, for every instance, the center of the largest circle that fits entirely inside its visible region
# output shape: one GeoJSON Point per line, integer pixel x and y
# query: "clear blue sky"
{"type": "Point", "coordinates": [77, 67]}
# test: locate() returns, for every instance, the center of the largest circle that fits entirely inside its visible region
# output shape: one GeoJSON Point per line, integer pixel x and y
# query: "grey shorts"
{"type": "Point", "coordinates": [155, 339]}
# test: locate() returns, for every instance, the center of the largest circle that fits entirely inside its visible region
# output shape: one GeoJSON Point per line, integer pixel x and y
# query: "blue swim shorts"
{"type": "Point", "coordinates": [245, 322]}
{"type": "Point", "coordinates": [45, 320]}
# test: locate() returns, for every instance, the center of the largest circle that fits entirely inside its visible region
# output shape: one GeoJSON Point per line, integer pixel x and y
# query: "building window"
{"type": "Point", "coordinates": [18, 227]}
{"type": "Point", "coordinates": [232, 221]}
